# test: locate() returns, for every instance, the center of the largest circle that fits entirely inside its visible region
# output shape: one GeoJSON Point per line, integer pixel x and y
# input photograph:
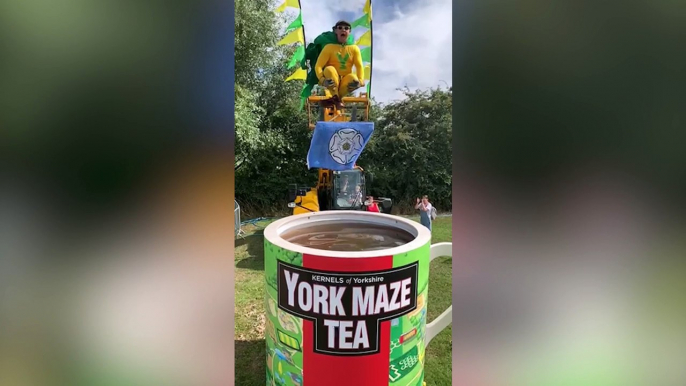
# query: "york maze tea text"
{"type": "Point", "coordinates": [347, 308]}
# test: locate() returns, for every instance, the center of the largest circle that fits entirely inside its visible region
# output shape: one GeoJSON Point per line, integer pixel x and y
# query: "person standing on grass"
{"type": "Point", "coordinates": [424, 207]}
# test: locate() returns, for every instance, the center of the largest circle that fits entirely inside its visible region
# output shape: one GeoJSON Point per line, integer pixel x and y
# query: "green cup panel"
{"type": "Point", "coordinates": [406, 367]}
{"type": "Point", "coordinates": [283, 332]}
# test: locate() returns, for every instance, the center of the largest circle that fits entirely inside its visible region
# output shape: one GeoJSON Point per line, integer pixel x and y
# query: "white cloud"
{"type": "Point", "coordinates": [412, 47]}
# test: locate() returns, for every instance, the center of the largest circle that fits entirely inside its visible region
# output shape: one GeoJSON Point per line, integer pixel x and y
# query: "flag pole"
{"type": "Point", "coordinates": [300, 8]}
{"type": "Point", "coordinates": [371, 50]}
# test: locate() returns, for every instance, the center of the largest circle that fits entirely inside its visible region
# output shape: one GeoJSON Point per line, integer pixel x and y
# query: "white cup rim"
{"type": "Point", "coordinates": [421, 234]}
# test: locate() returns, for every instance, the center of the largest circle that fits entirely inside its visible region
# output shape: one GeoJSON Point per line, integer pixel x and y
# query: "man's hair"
{"type": "Point", "coordinates": [425, 196]}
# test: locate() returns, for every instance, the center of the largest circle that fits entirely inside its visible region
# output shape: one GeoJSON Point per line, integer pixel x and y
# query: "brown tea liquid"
{"type": "Point", "coordinates": [348, 236]}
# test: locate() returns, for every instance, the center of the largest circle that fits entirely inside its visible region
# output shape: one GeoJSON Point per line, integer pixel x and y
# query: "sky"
{"type": "Point", "coordinates": [412, 40]}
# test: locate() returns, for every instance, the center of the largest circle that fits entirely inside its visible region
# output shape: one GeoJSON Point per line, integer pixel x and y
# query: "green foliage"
{"type": "Point", "coordinates": [250, 142]}
{"type": "Point", "coordinates": [409, 153]}
{"type": "Point", "coordinates": [271, 134]}
{"type": "Point", "coordinates": [256, 34]}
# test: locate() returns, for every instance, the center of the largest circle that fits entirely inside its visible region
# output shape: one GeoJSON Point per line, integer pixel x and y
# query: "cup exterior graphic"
{"type": "Point", "coordinates": [347, 318]}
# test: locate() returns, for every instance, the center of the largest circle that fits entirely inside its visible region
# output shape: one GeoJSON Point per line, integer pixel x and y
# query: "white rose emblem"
{"type": "Point", "coordinates": [344, 145]}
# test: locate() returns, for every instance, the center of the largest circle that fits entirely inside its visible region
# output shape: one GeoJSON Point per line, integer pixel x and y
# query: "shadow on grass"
{"type": "Point", "coordinates": [255, 251]}
{"type": "Point", "coordinates": [250, 362]}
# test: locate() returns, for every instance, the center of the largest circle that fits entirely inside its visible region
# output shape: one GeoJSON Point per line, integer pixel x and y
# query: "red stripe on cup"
{"type": "Point", "coordinates": [328, 370]}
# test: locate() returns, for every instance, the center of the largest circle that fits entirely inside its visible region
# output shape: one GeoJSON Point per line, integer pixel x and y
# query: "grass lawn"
{"type": "Point", "coordinates": [250, 319]}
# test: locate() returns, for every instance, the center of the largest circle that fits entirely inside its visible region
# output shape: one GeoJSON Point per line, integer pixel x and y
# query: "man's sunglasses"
{"type": "Point", "coordinates": [343, 27]}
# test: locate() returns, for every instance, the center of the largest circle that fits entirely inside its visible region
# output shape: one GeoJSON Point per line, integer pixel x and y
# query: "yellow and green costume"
{"type": "Point", "coordinates": [335, 65]}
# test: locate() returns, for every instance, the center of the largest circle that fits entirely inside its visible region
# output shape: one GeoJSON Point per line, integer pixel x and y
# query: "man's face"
{"type": "Point", "coordinates": [425, 200]}
{"type": "Point", "coordinates": [342, 32]}
{"type": "Point", "coordinates": [357, 188]}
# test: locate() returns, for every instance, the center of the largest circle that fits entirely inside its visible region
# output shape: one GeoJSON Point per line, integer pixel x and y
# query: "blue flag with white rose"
{"type": "Point", "coordinates": [338, 145]}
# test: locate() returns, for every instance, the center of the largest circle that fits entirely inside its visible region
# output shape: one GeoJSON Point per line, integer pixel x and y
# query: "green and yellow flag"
{"type": "Point", "coordinates": [296, 36]}
{"type": "Point", "coordinates": [295, 33]}
{"type": "Point", "coordinates": [365, 41]}
{"type": "Point", "coordinates": [288, 3]}
{"type": "Point", "coordinates": [297, 56]}
{"type": "Point", "coordinates": [299, 74]}
{"type": "Point", "coordinates": [362, 21]}
{"type": "Point", "coordinates": [297, 23]}
{"type": "Point", "coordinates": [366, 54]}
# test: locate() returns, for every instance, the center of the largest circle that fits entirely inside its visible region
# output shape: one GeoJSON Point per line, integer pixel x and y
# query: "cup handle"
{"type": "Point", "coordinates": [446, 318]}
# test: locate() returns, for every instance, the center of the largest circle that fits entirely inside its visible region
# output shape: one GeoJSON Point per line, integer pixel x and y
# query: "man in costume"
{"type": "Point", "coordinates": [334, 65]}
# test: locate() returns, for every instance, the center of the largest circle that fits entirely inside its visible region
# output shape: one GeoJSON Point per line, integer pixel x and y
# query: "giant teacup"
{"type": "Point", "coordinates": [357, 317]}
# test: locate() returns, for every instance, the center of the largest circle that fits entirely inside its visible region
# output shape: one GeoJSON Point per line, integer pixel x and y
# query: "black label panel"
{"type": "Point", "coordinates": [347, 308]}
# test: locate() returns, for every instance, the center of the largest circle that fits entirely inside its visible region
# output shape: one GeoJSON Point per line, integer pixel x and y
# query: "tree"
{"type": "Point", "coordinates": [272, 138]}
{"type": "Point", "coordinates": [256, 34]}
{"type": "Point", "coordinates": [410, 152]}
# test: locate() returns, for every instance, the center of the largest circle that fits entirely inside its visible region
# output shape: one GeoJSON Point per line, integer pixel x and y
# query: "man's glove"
{"type": "Point", "coordinates": [328, 82]}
